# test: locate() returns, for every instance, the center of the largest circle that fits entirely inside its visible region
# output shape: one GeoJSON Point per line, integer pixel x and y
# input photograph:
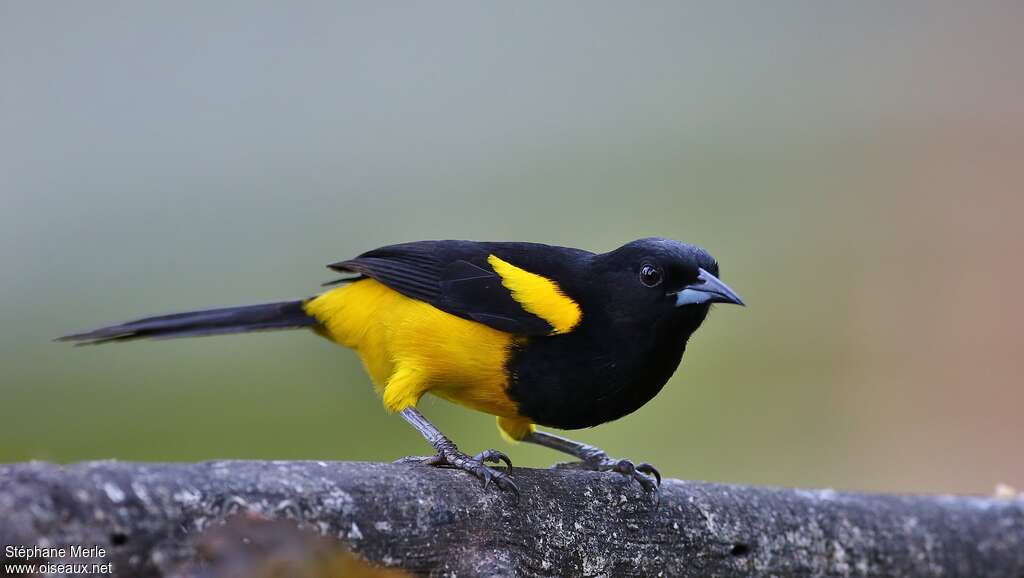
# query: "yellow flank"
{"type": "Point", "coordinates": [410, 347]}
{"type": "Point", "coordinates": [538, 295]}
{"type": "Point", "coordinates": [515, 428]}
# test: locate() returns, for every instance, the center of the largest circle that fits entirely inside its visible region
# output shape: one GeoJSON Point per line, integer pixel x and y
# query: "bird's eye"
{"type": "Point", "coordinates": [650, 275]}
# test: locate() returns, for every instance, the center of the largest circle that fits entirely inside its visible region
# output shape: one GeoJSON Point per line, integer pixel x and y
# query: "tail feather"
{"type": "Point", "coordinates": [282, 315]}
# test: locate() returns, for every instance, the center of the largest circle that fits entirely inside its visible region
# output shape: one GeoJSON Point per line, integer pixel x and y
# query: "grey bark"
{"type": "Point", "coordinates": [567, 523]}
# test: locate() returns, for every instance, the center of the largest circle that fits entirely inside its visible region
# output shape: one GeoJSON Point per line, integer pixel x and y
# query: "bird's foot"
{"type": "Point", "coordinates": [476, 465]}
{"type": "Point", "coordinates": [645, 474]}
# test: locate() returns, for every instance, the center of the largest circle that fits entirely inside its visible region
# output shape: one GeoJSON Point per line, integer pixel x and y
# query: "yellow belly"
{"type": "Point", "coordinates": [410, 347]}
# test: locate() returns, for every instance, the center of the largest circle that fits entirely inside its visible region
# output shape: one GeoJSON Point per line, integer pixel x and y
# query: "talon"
{"type": "Point", "coordinates": [505, 482]}
{"type": "Point", "coordinates": [473, 465]}
{"type": "Point", "coordinates": [645, 474]}
{"type": "Point", "coordinates": [649, 469]}
{"type": "Point", "coordinates": [500, 479]}
{"type": "Point", "coordinates": [493, 456]}
{"type": "Point", "coordinates": [646, 483]}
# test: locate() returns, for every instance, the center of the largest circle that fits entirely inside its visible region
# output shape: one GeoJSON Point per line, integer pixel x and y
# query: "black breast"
{"type": "Point", "coordinates": [590, 377]}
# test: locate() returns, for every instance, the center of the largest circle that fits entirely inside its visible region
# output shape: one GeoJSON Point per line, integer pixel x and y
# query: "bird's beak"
{"type": "Point", "coordinates": [708, 289]}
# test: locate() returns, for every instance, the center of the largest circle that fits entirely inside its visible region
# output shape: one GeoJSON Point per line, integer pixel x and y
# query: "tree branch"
{"type": "Point", "coordinates": [567, 523]}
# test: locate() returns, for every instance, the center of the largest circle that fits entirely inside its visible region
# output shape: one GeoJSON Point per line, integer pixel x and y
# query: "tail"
{"type": "Point", "coordinates": [283, 315]}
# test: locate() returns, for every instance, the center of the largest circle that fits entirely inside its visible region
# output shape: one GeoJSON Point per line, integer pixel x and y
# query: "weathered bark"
{"type": "Point", "coordinates": [567, 523]}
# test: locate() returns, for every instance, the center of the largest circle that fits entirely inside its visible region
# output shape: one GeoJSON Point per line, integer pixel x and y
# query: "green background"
{"type": "Point", "coordinates": [856, 168]}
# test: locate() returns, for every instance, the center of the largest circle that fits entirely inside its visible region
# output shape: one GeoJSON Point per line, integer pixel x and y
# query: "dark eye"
{"type": "Point", "coordinates": [650, 275]}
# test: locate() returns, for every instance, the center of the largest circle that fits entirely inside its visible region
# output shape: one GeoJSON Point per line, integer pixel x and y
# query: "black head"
{"type": "Point", "coordinates": [663, 283]}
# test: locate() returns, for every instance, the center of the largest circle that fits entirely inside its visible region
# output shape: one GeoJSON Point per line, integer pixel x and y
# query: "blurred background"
{"type": "Point", "coordinates": [857, 169]}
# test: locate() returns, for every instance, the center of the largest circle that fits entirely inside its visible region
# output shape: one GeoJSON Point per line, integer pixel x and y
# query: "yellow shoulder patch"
{"type": "Point", "coordinates": [538, 295]}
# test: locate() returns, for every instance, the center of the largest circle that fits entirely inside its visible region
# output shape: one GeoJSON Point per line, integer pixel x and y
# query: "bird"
{"type": "Point", "coordinates": [534, 334]}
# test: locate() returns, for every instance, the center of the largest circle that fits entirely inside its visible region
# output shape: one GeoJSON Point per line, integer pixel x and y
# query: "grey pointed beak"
{"type": "Point", "coordinates": [708, 289]}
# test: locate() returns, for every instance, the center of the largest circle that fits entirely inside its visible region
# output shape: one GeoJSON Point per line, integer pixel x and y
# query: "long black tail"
{"type": "Point", "coordinates": [283, 315]}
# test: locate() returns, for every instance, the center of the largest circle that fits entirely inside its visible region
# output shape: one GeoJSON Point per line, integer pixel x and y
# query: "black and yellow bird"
{"type": "Point", "coordinates": [533, 334]}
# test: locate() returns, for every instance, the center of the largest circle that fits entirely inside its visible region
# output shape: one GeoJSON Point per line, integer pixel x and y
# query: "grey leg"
{"type": "Point", "coordinates": [449, 455]}
{"type": "Point", "coordinates": [592, 458]}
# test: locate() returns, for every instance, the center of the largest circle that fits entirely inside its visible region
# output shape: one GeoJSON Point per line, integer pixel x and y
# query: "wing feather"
{"type": "Point", "coordinates": [456, 277]}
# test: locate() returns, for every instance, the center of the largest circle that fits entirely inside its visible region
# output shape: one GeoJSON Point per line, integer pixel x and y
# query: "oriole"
{"type": "Point", "coordinates": [533, 334]}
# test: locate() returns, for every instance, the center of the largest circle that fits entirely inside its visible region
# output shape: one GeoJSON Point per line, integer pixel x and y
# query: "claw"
{"type": "Point", "coordinates": [474, 465]}
{"type": "Point", "coordinates": [644, 474]}
{"type": "Point", "coordinates": [500, 479]}
{"type": "Point", "coordinates": [647, 468]}
{"type": "Point", "coordinates": [493, 456]}
{"type": "Point", "coordinates": [646, 482]}
{"type": "Point", "coordinates": [626, 468]}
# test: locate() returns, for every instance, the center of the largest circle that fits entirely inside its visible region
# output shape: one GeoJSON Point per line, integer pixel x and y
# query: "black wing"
{"type": "Point", "coordinates": [455, 277]}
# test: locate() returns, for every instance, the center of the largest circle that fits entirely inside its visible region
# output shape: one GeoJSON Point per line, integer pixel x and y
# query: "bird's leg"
{"type": "Point", "coordinates": [448, 455]}
{"type": "Point", "coordinates": [592, 458]}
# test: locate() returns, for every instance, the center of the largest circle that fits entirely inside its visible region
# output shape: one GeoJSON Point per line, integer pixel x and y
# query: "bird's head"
{"type": "Point", "coordinates": [663, 282]}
